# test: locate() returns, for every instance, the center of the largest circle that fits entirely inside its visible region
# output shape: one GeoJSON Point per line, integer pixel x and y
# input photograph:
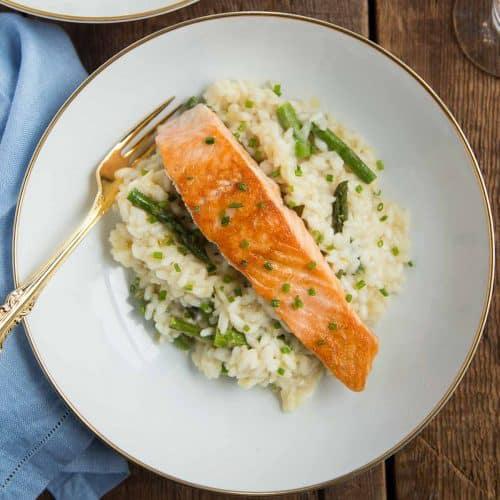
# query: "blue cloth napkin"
{"type": "Point", "coordinates": [42, 444]}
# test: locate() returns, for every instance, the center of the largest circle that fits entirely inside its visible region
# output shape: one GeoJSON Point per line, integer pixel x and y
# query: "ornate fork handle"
{"type": "Point", "coordinates": [20, 301]}
{"type": "Point", "coordinates": [18, 304]}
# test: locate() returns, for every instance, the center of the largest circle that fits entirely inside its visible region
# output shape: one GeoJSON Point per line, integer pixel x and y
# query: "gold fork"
{"type": "Point", "coordinates": [20, 301]}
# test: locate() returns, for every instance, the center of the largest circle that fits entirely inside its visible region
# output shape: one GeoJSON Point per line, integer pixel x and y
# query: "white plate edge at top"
{"type": "Point", "coordinates": [58, 16]}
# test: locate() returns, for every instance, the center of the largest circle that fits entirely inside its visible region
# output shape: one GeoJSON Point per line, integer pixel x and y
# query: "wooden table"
{"type": "Point", "coordinates": [457, 455]}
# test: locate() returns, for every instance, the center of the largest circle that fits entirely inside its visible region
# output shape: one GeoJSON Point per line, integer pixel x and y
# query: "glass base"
{"type": "Point", "coordinates": [477, 27]}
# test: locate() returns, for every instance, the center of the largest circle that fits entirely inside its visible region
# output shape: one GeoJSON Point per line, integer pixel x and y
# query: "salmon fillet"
{"type": "Point", "coordinates": [240, 209]}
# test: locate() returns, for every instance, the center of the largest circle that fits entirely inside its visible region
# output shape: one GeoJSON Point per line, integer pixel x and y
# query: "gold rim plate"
{"type": "Point", "coordinates": [474, 165]}
{"type": "Point", "coordinates": [96, 19]}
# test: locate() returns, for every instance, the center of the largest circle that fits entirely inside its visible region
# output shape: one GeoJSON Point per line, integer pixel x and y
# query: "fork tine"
{"type": "Point", "coordinates": [143, 123]}
{"type": "Point", "coordinates": [145, 154]}
{"type": "Point", "coordinates": [146, 140]}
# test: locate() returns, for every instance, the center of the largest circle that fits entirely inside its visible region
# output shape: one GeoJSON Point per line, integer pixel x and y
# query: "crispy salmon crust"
{"type": "Point", "coordinates": [240, 209]}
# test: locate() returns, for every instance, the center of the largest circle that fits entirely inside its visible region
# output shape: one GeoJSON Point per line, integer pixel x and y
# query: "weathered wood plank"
{"type": "Point", "coordinates": [458, 454]}
{"type": "Point", "coordinates": [97, 43]}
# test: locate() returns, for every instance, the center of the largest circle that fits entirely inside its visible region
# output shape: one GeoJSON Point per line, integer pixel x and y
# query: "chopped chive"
{"type": "Point", "coordinates": [286, 287]}
{"type": "Point", "coordinates": [177, 267]}
{"type": "Point", "coordinates": [358, 188]}
{"type": "Point", "coordinates": [275, 303]}
{"type": "Point", "coordinates": [242, 186]}
{"type": "Point", "coordinates": [291, 188]}
{"type": "Point", "coordinates": [298, 171]}
{"type": "Point", "coordinates": [162, 295]}
{"type": "Point", "coordinates": [395, 251]}
{"type": "Point", "coordinates": [332, 326]}
{"type": "Point", "coordinates": [277, 89]}
{"type": "Point", "coordinates": [206, 307]}
{"type": "Point", "coordinates": [253, 142]}
{"type": "Point", "coordinates": [268, 266]}
{"type": "Point", "coordinates": [151, 219]}
{"type": "Point", "coordinates": [330, 248]}
{"type": "Point", "coordinates": [329, 178]}
{"type": "Point", "coordinates": [377, 193]}
{"type": "Point", "coordinates": [311, 292]}
{"type": "Point", "coordinates": [225, 220]}
{"type": "Point", "coordinates": [209, 140]}
{"type": "Point", "coordinates": [291, 203]}
{"type": "Point", "coordinates": [249, 104]}
{"type": "Point", "coordinates": [157, 255]}
{"type": "Point", "coordinates": [144, 171]}
{"type": "Point", "coordinates": [311, 265]}
{"type": "Point", "coordinates": [182, 250]}
{"type": "Point", "coordinates": [238, 292]}
{"type": "Point", "coordinates": [261, 204]}
{"type": "Point", "coordinates": [380, 207]}
{"type": "Point", "coordinates": [188, 287]}
{"type": "Point", "coordinates": [276, 173]}
{"type": "Point", "coordinates": [242, 126]}
{"type": "Point", "coordinates": [297, 303]}
{"type": "Point", "coordinates": [246, 328]}
{"type": "Point", "coordinates": [318, 236]}
{"type": "Point", "coordinates": [285, 350]}
{"type": "Point", "coordinates": [211, 267]}
{"type": "Point", "coordinates": [384, 292]}
{"type": "Point", "coordinates": [244, 244]}
{"type": "Point", "coordinates": [360, 284]}
{"type": "Point", "coordinates": [380, 243]}
{"type": "Point", "coordinates": [223, 369]}
{"type": "Point", "coordinates": [340, 273]}
{"type": "Point", "coordinates": [348, 297]}
{"type": "Point", "coordinates": [236, 135]}
{"type": "Point", "coordinates": [383, 218]}
{"type": "Point", "coordinates": [244, 263]}
{"type": "Point", "coordinates": [162, 204]}
{"type": "Point", "coordinates": [410, 263]}
{"type": "Point", "coordinates": [166, 242]}
{"type": "Point", "coordinates": [321, 342]}
{"type": "Point", "coordinates": [276, 324]}
{"type": "Point", "coordinates": [380, 165]}
{"type": "Point", "coordinates": [235, 205]}
{"type": "Point", "coordinates": [230, 299]}
{"type": "Point", "coordinates": [196, 208]}
{"type": "Point", "coordinates": [281, 371]}
{"type": "Point", "coordinates": [227, 279]}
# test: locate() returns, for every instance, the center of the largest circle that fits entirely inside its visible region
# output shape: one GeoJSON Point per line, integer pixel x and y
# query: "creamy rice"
{"type": "Point", "coordinates": [372, 250]}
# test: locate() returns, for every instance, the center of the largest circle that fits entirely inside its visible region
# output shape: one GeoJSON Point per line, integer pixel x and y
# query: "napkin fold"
{"type": "Point", "coordinates": [42, 443]}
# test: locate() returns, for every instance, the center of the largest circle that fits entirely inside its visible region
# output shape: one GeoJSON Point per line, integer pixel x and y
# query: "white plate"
{"type": "Point", "coordinates": [148, 401]}
{"type": "Point", "coordinates": [96, 11]}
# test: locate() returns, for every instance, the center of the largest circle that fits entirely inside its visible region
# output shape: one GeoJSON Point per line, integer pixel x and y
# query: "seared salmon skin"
{"type": "Point", "coordinates": [240, 209]}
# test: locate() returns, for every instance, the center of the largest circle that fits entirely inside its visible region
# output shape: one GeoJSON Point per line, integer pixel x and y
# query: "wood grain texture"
{"type": "Point", "coordinates": [97, 43]}
{"type": "Point", "coordinates": [457, 455]}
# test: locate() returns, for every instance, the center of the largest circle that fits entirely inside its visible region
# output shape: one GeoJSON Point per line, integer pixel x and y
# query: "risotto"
{"type": "Point", "coordinates": [191, 302]}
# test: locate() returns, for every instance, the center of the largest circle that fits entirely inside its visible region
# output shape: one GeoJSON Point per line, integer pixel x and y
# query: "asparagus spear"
{"type": "Point", "coordinates": [288, 119]}
{"type": "Point", "coordinates": [193, 101]}
{"type": "Point", "coordinates": [230, 339]}
{"type": "Point", "coordinates": [183, 326]}
{"type": "Point", "coordinates": [183, 342]}
{"type": "Point", "coordinates": [192, 240]}
{"type": "Point", "coordinates": [351, 159]}
{"type": "Point", "coordinates": [340, 211]}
